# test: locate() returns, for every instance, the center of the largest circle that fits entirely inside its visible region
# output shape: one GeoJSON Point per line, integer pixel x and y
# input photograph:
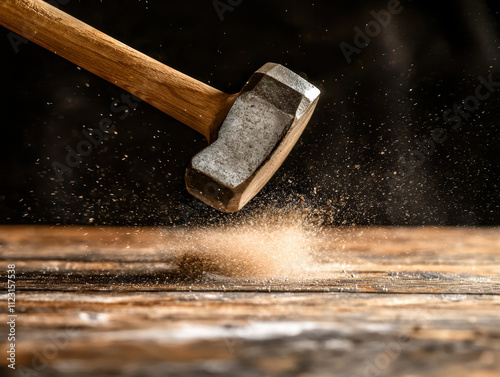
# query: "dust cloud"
{"type": "Point", "coordinates": [269, 245]}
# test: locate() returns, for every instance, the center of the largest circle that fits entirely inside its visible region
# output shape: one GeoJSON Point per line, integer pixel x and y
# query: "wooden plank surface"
{"type": "Point", "coordinates": [194, 302]}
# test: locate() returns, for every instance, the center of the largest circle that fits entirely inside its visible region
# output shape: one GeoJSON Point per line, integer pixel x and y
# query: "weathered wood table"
{"type": "Point", "coordinates": [94, 301]}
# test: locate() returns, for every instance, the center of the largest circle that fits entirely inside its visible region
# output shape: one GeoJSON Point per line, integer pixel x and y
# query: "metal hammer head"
{"type": "Point", "coordinates": [261, 128]}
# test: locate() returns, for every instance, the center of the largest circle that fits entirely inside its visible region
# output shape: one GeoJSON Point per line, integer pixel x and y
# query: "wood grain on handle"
{"type": "Point", "coordinates": [192, 102]}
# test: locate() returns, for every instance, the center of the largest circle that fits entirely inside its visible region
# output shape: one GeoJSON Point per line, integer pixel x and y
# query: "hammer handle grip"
{"type": "Point", "coordinates": [192, 102]}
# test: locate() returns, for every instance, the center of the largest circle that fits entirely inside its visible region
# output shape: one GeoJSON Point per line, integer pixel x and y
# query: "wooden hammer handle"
{"type": "Point", "coordinates": [192, 102]}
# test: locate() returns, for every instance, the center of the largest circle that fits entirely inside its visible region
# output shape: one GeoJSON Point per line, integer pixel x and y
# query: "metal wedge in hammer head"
{"type": "Point", "coordinates": [258, 133]}
{"type": "Point", "coordinates": [254, 130]}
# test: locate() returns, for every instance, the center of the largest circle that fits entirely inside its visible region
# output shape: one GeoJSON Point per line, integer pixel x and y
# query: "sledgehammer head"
{"type": "Point", "coordinates": [261, 128]}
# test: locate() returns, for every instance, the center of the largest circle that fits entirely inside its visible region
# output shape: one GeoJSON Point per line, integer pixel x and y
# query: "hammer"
{"type": "Point", "coordinates": [250, 133]}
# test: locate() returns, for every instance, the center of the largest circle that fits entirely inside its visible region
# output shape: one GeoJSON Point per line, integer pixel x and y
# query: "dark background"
{"type": "Point", "coordinates": [372, 112]}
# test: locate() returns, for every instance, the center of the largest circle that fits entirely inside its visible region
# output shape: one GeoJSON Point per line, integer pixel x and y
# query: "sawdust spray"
{"type": "Point", "coordinates": [271, 244]}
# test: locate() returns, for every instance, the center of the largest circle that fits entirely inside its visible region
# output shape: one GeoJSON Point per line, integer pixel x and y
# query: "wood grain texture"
{"type": "Point", "coordinates": [381, 302]}
{"type": "Point", "coordinates": [192, 102]}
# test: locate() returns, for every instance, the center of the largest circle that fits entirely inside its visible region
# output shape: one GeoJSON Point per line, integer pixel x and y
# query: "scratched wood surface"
{"type": "Point", "coordinates": [380, 302]}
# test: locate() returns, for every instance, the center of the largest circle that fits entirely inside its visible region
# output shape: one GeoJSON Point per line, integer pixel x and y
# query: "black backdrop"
{"type": "Point", "coordinates": [366, 157]}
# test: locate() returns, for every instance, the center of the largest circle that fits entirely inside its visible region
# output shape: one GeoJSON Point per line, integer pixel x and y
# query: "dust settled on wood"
{"type": "Point", "coordinates": [276, 301]}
